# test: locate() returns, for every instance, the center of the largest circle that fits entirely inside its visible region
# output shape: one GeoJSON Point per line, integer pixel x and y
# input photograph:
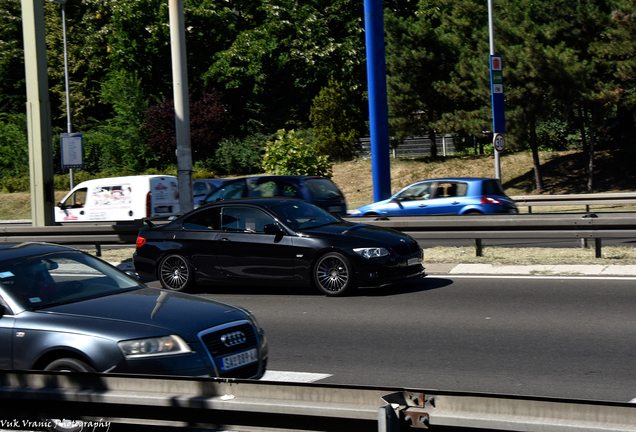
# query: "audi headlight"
{"type": "Point", "coordinates": [149, 347]}
{"type": "Point", "coordinates": [369, 253]}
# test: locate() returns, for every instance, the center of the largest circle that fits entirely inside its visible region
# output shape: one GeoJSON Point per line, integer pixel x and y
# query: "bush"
{"type": "Point", "coordinates": [290, 155]}
{"type": "Point", "coordinates": [235, 156]}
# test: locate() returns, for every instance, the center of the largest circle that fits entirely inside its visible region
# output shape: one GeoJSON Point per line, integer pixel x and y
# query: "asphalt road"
{"type": "Point", "coordinates": [537, 336]}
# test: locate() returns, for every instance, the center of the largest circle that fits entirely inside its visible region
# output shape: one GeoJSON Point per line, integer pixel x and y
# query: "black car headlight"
{"type": "Point", "coordinates": [369, 253]}
{"type": "Point", "coordinates": [158, 346]}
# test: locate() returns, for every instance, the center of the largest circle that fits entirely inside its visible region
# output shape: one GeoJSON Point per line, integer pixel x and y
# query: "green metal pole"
{"type": "Point", "coordinates": [38, 114]}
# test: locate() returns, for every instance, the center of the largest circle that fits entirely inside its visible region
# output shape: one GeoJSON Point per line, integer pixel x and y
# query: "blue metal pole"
{"type": "Point", "coordinates": [378, 107]}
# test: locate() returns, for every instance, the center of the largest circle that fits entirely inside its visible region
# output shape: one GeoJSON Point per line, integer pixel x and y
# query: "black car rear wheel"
{"type": "Point", "coordinates": [175, 273]}
{"type": "Point", "coordinates": [333, 275]}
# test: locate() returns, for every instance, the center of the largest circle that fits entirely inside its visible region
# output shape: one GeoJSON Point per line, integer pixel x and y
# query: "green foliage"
{"type": "Point", "coordinates": [119, 143]}
{"type": "Point", "coordinates": [14, 145]}
{"type": "Point", "coordinates": [289, 155]}
{"type": "Point", "coordinates": [241, 156]}
{"type": "Point", "coordinates": [336, 122]}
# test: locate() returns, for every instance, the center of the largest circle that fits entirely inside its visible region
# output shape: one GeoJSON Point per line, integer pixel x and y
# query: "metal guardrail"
{"type": "Point", "coordinates": [266, 406]}
{"type": "Point", "coordinates": [585, 227]}
{"type": "Point", "coordinates": [586, 200]}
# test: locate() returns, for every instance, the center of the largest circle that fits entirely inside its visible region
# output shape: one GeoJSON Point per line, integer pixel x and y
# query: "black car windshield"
{"type": "Point", "coordinates": [40, 281]}
{"type": "Point", "coordinates": [301, 215]}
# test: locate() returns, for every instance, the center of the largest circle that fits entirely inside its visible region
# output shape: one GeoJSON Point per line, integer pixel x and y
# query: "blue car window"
{"type": "Point", "coordinates": [232, 190]}
{"type": "Point", "coordinates": [492, 187]}
{"type": "Point", "coordinates": [417, 191]}
{"type": "Point", "coordinates": [322, 188]}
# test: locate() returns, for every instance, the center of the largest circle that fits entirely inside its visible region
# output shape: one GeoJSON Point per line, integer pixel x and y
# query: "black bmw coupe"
{"type": "Point", "coordinates": [277, 241]}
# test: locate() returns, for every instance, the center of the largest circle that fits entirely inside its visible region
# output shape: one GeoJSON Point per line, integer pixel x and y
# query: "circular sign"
{"type": "Point", "coordinates": [499, 142]}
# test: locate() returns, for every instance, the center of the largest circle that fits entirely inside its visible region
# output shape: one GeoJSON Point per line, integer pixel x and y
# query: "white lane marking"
{"type": "Point", "coordinates": [301, 377]}
{"type": "Point", "coordinates": [564, 276]}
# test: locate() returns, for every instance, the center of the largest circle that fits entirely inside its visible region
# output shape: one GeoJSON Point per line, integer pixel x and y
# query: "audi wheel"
{"type": "Point", "coordinates": [333, 275]}
{"type": "Point", "coordinates": [67, 365]}
{"type": "Point", "coordinates": [175, 273]}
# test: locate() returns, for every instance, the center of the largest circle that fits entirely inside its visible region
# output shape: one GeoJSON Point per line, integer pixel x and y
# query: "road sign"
{"type": "Point", "coordinates": [72, 150]}
{"type": "Point", "coordinates": [497, 94]}
{"type": "Point", "coordinates": [499, 142]}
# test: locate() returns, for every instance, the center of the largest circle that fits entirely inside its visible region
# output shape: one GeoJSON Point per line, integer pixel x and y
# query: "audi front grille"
{"type": "Point", "coordinates": [224, 341]}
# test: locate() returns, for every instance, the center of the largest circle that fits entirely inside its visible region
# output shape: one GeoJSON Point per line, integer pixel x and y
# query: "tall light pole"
{"type": "Point", "coordinates": [68, 95]}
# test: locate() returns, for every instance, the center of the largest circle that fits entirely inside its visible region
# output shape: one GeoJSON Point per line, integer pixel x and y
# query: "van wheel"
{"type": "Point", "coordinates": [333, 275]}
{"type": "Point", "coordinates": [175, 273]}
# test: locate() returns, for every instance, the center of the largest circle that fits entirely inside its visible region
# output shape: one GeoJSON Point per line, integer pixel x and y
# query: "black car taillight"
{"type": "Point", "coordinates": [140, 241]}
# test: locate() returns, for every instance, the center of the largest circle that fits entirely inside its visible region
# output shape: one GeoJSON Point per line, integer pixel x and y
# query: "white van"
{"type": "Point", "coordinates": [119, 199]}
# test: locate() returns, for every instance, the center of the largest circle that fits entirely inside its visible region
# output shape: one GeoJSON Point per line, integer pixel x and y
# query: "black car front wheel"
{"type": "Point", "coordinates": [175, 273]}
{"type": "Point", "coordinates": [333, 275]}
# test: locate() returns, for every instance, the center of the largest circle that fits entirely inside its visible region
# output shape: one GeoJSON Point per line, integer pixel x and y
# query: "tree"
{"type": "Point", "coordinates": [119, 142]}
{"type": "Point", "coordinates": [337, 122]}
{"type": "Point", "coordinates": [12, 81]}
{"type": "Point", "coordinates": [14, 146]}
{"type": "Point", "coordinates": [290, 155]}
{"type": "Point", "coordinates": [207, 126]}
{"type": "Point", "coordinates": [276, 66]}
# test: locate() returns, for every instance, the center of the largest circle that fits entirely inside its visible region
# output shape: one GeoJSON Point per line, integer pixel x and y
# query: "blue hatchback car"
{"type": "Point", "coordinates": [447, 196]}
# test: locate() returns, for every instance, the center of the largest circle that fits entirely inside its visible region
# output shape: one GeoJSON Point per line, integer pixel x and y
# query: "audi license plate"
{"type": "Point", "coordinates": [413, 261]}
{"type": "Point", "coordinates": [238, 360]}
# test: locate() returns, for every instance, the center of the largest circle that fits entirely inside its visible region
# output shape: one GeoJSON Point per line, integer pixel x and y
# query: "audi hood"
{"type": "Point", "coordinates": [159, 311]}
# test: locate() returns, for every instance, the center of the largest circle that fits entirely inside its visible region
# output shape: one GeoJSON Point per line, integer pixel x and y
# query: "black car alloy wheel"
{"type": "Point", "coordinates": [175, 273]}
{"type": "Point", "coordinates": [333, 275]}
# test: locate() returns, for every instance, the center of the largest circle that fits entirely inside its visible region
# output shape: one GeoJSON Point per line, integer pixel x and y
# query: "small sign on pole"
{"type": "Point", "coordinates": [72, 150]}
{"type": "Point", "coordinates": [497, 94]}
{"type": "Point", "coordinates": [499, 142]}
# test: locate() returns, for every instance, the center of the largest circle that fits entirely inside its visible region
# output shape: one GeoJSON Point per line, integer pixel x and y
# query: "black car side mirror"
{"type": "Point", "coordinates": [272, 229]}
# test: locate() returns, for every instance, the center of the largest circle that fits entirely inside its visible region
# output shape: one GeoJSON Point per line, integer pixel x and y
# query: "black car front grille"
{"type": "Point", "coordinates": [218, 349]}
{"type": "Point", "coordinates": [405, 249]}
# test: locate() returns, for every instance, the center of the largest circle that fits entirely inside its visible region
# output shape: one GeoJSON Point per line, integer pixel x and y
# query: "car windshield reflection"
{"type": "Point", "coordinates": [300, 215]}
{"type": "Point", "coordinates": [58, 278]}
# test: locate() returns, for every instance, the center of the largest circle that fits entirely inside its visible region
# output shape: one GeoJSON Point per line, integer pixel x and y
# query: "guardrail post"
{"type": "Point", "coordinates": [598, 244]}
{"type": "Point", "coordinates": [388, 421]}
{"type": "Point", "coordinates": [479, 247]}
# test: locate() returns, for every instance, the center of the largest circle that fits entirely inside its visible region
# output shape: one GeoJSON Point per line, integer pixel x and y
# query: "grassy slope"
{"type": "Point", "coordinates": [563, 173]}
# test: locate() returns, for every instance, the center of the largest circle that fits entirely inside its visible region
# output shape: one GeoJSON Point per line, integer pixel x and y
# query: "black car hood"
{"type": "Point", "coordinates": [178, 313]}
{"type": "Point", "coordinates": [360, 231]}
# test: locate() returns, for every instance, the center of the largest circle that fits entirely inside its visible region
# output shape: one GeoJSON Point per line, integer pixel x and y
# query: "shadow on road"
{"type": "Point", "coordinates": [415, 285]}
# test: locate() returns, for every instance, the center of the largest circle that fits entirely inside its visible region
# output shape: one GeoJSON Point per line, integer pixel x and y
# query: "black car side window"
{"type": "Point", "coordinates": [207, 220]}
{"type": "Point", "coordinates": [244, 219]}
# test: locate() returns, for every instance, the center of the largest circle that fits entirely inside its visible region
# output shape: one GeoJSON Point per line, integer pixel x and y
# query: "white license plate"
{"type": "Point", "coordinates": [334, 209]}
{"type": "Point", "coordinates": [413, 261]}
{"type": "Point", "coordinates": [163, 209]}
{"type": "Point", "coordinates": [238, 360]}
